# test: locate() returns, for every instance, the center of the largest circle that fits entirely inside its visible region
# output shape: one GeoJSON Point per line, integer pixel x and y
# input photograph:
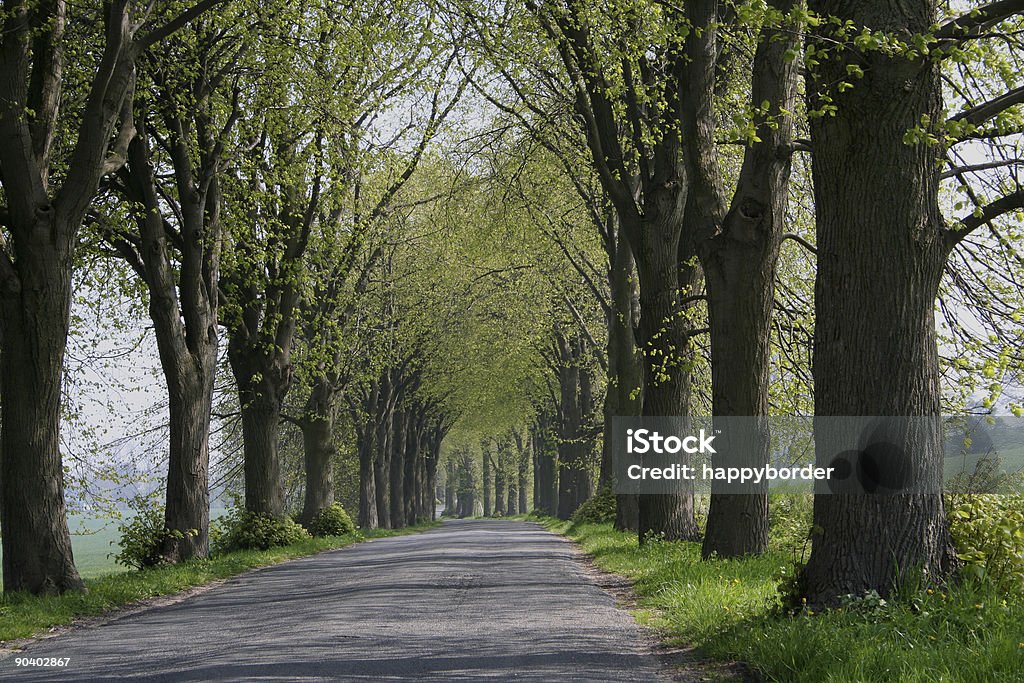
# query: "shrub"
{"type": "Point", "coordinates": [598, 509]}
{"type": "Point", "coordinates": [143, 537]}
{"type": "Point", "coordinates": [789, 521]}
{"type": "Point", "coordinates": [988, 532]}
{"type": "Point", "coordinates": [244, 530]}
{"type": "Point", "coordinates": [332, 521]}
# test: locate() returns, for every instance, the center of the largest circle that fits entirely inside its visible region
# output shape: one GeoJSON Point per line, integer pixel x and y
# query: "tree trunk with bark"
{"type": "Point", "coordinates": [513, 498]}
{"type": "Point", "coordinates": [367, 494]}
{"type": "Point", "coordinates": [739, 258]}
{"type": "Point", "coordinates": [881, 255]}
{"type": "Point", "coordinates": [42, 222]}
{"type": "Point", "coordinates": [499, 478]}
{"type": "Point", "coordinates": [397, 469]}
{"type": "Point", "coordinates": [450, 486]}
{"type": "Point", "coordinates": [625, 367]}
{"type": "Point", "coordinates": [382, 470]}
{"type": "Point", "coordinates": [429, 487]}
{"type": "Point", "coordinates": [414, 441]}
{"type": "Point", "coordinates": [486, 472]}
{"type": "Point", "coordinates": [524, 474]}
{"type": "Point", "coordinates": [572, 451]}
{"type": "Point", "coordinates": [183, 305]}
{"type": "Point", "coordinates": [546, 466]}
{"type": "Point", "coordinates": [37, 554]}
{"type": "Point", "coordinates": [261, 389]}
{"type": "Point", "coordinates": [319, 450]}
{"type": "Point", "coordinates": [666, 275]}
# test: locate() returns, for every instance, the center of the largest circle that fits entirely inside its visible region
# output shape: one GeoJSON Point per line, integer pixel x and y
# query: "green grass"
{"type": "Point", "coordinates": [729, 609]}
{"type": "Point", "coordinates": [23, 615]}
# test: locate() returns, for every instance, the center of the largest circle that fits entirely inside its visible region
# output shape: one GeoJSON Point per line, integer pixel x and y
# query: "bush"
{"type": "Point", "coordinates": [332, 521]}
{"type": "Point", "coordinates": [143, 538]}
{"type": "Point", "coordinates": [599, 509]}
{"type": "Point", "coordinates": [988, 532]}
{"type": "Point", "coordinates": [789, 522]}
{"type": "Point", "coordinates": [244, 530]}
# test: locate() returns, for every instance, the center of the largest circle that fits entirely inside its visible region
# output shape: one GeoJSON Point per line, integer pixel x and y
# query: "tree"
{"type": "Point", "coordinates": [739, 248]}
{"type": "Point", "coordinates": [176, 248]}
{"type": "Point", "coordinates": [878, 145]}
{"type": "Point", "coordinates": [635, 148]}
{"type": "Point", "coordinates": [46, 197]}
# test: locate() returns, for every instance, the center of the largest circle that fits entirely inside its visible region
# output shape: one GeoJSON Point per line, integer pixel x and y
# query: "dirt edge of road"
{"type": "Point", "coordinates": [682, 664]}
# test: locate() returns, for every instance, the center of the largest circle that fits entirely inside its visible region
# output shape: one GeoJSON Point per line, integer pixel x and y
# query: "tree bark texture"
{"type": "Point", "coordinates": [880, 259]}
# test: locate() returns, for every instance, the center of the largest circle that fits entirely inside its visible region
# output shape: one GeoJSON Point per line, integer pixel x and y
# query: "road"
{"type": "Point", "coordinates": [468, 601]}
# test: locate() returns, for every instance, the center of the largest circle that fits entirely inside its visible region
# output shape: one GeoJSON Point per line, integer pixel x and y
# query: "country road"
{"type": "Point", "coordinates": [469, 600]}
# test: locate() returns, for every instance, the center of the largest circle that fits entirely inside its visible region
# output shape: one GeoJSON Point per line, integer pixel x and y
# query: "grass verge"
{"type": "Point", "coordinates": [729, 609]}
{"type": "Point", "coordinates": [23, 615]}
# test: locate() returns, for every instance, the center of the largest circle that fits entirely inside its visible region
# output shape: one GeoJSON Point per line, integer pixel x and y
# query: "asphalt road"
{"type": "Point", "coordinates": [470, 600]}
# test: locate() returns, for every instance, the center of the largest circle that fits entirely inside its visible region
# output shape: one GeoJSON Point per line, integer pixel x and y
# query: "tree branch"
{"type": "Point", "coordinates": [986, 111]}
{"type": "Point", "coordinates": [989, 212]}
{"type": "Point", "coordinates": [801, 241]}
{"type": "Point", "coordinates": [178, 22]}
{"type": "Point", "coordinates": [978, 20]}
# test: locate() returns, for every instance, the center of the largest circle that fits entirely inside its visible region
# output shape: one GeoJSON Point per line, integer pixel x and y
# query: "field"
{"type": "Point", "coordinates": [94, 542]}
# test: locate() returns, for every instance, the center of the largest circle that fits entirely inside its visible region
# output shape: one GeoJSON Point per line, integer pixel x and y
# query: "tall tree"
{"type": "Point", "coordinates": [46, 196]}
{"type": "Point", "coordinates": [635, 148]}
{"type": "Point", "coordinates": [176, 248]}
{"type": "Point", "coordinates": [739, 248]}
{"type": "Point", "coordinates": [882, 246]}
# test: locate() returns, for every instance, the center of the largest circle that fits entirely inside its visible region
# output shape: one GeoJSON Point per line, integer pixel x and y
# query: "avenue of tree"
{"type": "Point", "coordinates": [425, 250]}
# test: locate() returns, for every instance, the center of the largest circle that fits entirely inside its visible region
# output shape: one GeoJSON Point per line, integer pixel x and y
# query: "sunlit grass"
{"type": "Point", "coordinates": [729, 609]}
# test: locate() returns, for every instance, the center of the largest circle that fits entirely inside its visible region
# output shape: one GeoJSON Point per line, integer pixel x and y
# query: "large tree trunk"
{"type": "Point", "coordinates": [367, 494]}
{"type": "Point", "coordinates": [429, 488]}
{"type": "Point", "coordinates": [262, 384]}
{"type": "Point", "coordinates": [450, 487]}
{"type": "Point", "coordinates": [625, 369]}
{"type": "Point", "coordinates": [486, 478]}
{"type": "Point", "coordinates": [381, 471]}
{"type": "Point", "coordinates": [264, 492]}
{"type": "Point", "coordinates": [524, 474]}
{"type": "Point", "coordinates": [41, 221]}
{"type": "Point", "coordinates": [666, 274]}
{"type": "Point", "coordinates": [36, 542]}
{"type": "Point", "coordinates": [513, 498]}
{"type": "Point", "coordinates": [499, 480]}
{"type": "Point", "coordinates": [545, 471]}
{"type": "Point", "coordinates": [413, 453]}
{"type": "Point", "coordinates": [739, 269]}
{"type": "Point", "coordinates": [190, 400]}
{"type": "Point", "coordinates": [880, 259]}
{"type": "Point", "coordinates": [573, 480]}
{"type": "Point", "coordinates": [184, 318]}
{"type": "Point", "coordinates": [318, 449]}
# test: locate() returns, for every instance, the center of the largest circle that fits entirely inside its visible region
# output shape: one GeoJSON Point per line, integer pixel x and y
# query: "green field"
{"type": "Point", "coordinates": [94, 541]}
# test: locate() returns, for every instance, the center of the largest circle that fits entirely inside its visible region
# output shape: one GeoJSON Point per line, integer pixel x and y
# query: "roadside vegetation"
{"type": "Point", "coordinates": [972, 629]}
